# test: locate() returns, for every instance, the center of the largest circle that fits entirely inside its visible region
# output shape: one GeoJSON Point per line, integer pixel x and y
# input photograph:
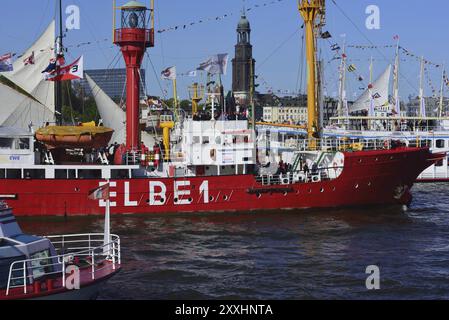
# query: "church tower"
{"type": "Point", "coordinates": [243, 65]}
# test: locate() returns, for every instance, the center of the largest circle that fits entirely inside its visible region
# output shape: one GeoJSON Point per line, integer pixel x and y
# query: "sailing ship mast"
{"type": "Point", "coordinates": [397, 103]}
{"type": "Point", "coordinates": [422, 106]}
{"type": "Point", "coordinates": [59, 52]}
{"type": "Point", "coordinates": [310, 10]}
{"type": "Point", "coordinates": [440, 113]}
{"type": "Point", "coordinates": [342, 95]}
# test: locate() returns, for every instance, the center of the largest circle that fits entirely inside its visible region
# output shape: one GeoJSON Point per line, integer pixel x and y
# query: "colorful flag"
{"type": "Point", "coordinates": [51, 67]}
{"type": "Point", "coordinates": [216, 64]}
{"type": "Point", "coordinates": [100, 193]}
{"type": "Point", "coordinates": [352, 68]}
{"type": "Point", "coordinates": [29, 60]}
{"type": "Point", "coordinates": [6, 63]}
{"type": "Point", "coordinates": [70, 72]}
{"type": "Point", "coordinates": [192, 73]}
{"type": "Point", "coordinates": [169, 74]}
{"type": "Point", "coordinates": [326, 35]}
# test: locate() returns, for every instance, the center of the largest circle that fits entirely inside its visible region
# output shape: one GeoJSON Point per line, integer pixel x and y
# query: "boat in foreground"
{"type": "Point", "coordinates": [68, 267]}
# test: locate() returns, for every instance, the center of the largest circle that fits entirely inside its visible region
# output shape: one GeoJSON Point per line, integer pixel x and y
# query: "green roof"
{"type": "Point", "coordinates": [133, 4]}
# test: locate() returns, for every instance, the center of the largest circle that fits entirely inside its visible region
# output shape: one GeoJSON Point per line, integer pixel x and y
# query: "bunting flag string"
{"type": "Point", "coordinates": [365, 47]}
{"type": "Point", "coordinates": [446, 79]}
{"type": "Point", "coordinates": [217, 18]}
{"type": "Point", "coordinates": [430, 83]}
{"type": "Point", "coordinates": [404, 51]}
{"type": "Point", "coordinates": [411, 54]}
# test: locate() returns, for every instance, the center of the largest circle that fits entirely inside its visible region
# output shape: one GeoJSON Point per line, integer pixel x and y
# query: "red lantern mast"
{"type": "Point", "coordinates": [134, 36]}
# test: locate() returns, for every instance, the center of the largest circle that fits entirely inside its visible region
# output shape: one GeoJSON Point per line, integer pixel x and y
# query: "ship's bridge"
{"type": "Point", "coordinates": [222, 144]}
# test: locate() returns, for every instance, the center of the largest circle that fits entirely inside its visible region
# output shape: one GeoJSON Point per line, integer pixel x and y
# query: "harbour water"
{"type": "Point", "coordinates": [279, 255]}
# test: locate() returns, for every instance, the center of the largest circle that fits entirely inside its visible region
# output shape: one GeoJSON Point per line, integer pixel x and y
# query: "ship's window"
{"type": "Point", "coordinates": [60, 174]}
{"type": "Point", "coordinates": [246, 139]}
{"type": "Point", "coordinates": [34, 174]}
{"type": "Point", "coordinates": [89, 174]}
{"type": "Point", "coordinates": [23, 144]}
{"type": "Point", "coordinates": [72, 173]}
{"type": "Point", "coordinates": [2, 173]}
{"type": "Point", "coordinates": [218, 140]}
{"type": "Point", "coordinates": [440, 143]}
{"type": "Point", "coordinates": [13, 174]}
{"type": "Point", "coordinates": [196, 139]}
{"type": "Point", "coordinates": [205, 140]}
{"type": "Point", "coordinates": [5, 143]}
{"type": "Point", "coordinates": [120, 174]}
{"type": "Point", "coordinates": [439, 163]}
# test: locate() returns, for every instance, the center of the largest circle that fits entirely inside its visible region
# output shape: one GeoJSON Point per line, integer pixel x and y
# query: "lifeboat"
{"type": "Point", "coordinates": [86, 135]}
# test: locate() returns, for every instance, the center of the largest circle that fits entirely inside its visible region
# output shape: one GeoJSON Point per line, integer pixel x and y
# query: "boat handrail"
{"type": "Point", "coordinates": [68, 248]}
{"type": "Point", "coordinates": [340, 144]}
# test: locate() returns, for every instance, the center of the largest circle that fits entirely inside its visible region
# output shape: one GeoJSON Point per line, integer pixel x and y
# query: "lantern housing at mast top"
{"type": "Point", "coordinates": [135, 25]}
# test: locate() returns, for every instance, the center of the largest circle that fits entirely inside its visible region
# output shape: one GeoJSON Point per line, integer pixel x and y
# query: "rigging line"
{"type": "Point", "coordinates": [156, 75]}
{"type": "Point", "coordinates": [278, 48]}
{"type": "Point", "coordinates": [92, 33]}
{"type": "Point", "coordinates": [42, 19]}
{"type": "Point", "coordinates": [106, 75]}
{"type": "Point", "coordinates": [161, 36]}
{"type": "Point", "coordinates": [361, 32]}
{"type": "Point", "coordinates": [299, 80]}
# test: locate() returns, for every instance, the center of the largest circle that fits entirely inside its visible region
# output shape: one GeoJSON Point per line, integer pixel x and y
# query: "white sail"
{"type": "Point", "coordinates": [379, 92]}
{"type": "Point", "coordinates": [18, 110]}
{"type": "Point", "coordinates": [112, 115]}
{"type": "Point", "coordinates": [29, 77]}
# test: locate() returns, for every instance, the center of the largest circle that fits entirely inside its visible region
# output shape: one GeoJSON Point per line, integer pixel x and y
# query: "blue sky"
{"type": "Point", "coordinates": [276, 45]}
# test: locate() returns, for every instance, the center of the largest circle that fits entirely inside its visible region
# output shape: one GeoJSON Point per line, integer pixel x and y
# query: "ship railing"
{"type": "Point", "coordinates": [392, 124]}
{"type": "Point", "coordinates": [317, 175]}
{"type": "Point", "coordinates": [347, 144]}
{"type": "Point", "coordinates": [70, 250]}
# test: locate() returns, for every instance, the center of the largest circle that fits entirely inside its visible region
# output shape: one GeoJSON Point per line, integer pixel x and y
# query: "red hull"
{"type": "Point", "coordinates": [368, 178]}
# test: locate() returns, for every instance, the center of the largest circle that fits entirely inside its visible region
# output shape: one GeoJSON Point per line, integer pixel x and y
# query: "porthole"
{"type": "Point", "coordinates": [369, 184]}
{"type": "Point", "coordinates": [333, 188]}
{"type": "Point", "coordinates": [285, 193]}
{"type": "Point", "coordinates": [175, 200]}
{"type": "Point", "coordinates": [162, 200]}
{"type": "Point", "coordinates": [190, 200]}
{"type": "Point", "coordinates": [356, 186]}
{"type": "Point", "coordinates": [322, 190]}
{"type": "Point", "coordinates": [225, 198]}
{"type": "Point", "coordinates": [360, 160]}
{"type": "Point", "coordinates": [258, 195]}
{"type": "Point", "coordinates": [310, 190]}
{"type": "Point", "coordinates": [211, 198]}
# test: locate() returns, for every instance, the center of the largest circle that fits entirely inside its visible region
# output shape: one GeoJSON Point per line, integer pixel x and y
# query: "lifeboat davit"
{"type": "Point", "coordinates": [84, 136]}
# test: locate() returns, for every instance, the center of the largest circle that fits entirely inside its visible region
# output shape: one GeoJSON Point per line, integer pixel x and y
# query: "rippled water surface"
{"type": "Point", "coordinates": [279, 255]}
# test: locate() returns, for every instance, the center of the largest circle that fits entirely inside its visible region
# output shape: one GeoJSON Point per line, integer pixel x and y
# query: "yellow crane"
{"type": "Point", "coordinates": [197, 94]}
{"type": "Point", "coordinates": [311, 11]}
